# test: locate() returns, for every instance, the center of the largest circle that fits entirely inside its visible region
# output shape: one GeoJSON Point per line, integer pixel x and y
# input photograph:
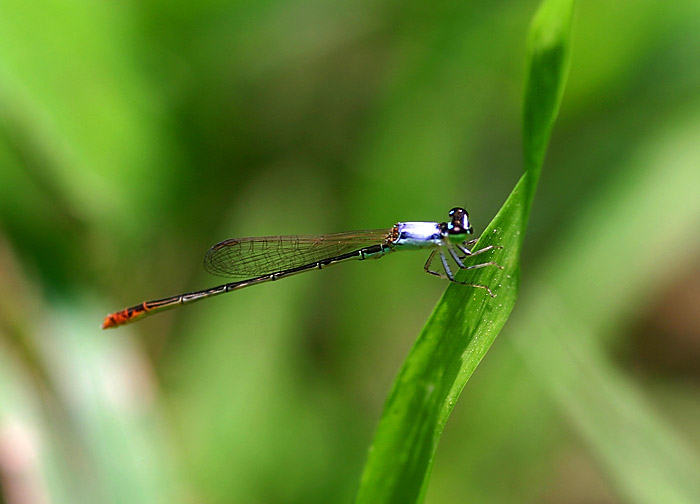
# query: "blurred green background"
{"type": "Point", "coordinates": [135, 135]}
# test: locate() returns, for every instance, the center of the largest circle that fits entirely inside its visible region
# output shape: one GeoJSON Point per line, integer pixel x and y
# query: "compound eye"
{"type": "Point", "coordinates": [460, 218]}
{"type": "Point", "coordinates": [459, 222]}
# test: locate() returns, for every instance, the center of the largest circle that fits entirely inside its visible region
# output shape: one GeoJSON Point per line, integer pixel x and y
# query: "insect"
{"type": "Point", "coordinates": [270, 258]}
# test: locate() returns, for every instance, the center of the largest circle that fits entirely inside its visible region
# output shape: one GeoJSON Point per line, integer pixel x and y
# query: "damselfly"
{"type": "Point", "coordinates": [268, 258]}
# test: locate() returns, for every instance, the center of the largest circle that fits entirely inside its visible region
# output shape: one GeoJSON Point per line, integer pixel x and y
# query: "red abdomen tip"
{"type": "Point", "coordinates": [125, 316]}
{"type": "Point", "coordinates": [114, 319]}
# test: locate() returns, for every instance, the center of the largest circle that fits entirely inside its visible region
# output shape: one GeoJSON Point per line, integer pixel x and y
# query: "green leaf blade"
{"type": "Point", "coordinates": [549, 50]}
{"type": "Point", "coordinates": [466, 320]}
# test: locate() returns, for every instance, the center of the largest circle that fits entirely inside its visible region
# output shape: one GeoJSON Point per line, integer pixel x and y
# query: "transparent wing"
{"type": "Point", "coordinates": [245, 257]}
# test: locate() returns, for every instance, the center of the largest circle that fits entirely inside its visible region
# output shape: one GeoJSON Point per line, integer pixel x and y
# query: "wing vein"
{"type": "Point", "coordinates": [246, 257]}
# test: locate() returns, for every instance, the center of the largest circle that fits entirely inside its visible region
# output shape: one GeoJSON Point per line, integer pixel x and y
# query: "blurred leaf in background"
{"type": "Point", "coordinates": [134, 136]}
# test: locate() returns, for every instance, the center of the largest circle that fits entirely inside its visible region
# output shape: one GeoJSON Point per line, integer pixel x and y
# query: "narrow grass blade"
{"type": "Point", "coordinates": [465, 321]}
